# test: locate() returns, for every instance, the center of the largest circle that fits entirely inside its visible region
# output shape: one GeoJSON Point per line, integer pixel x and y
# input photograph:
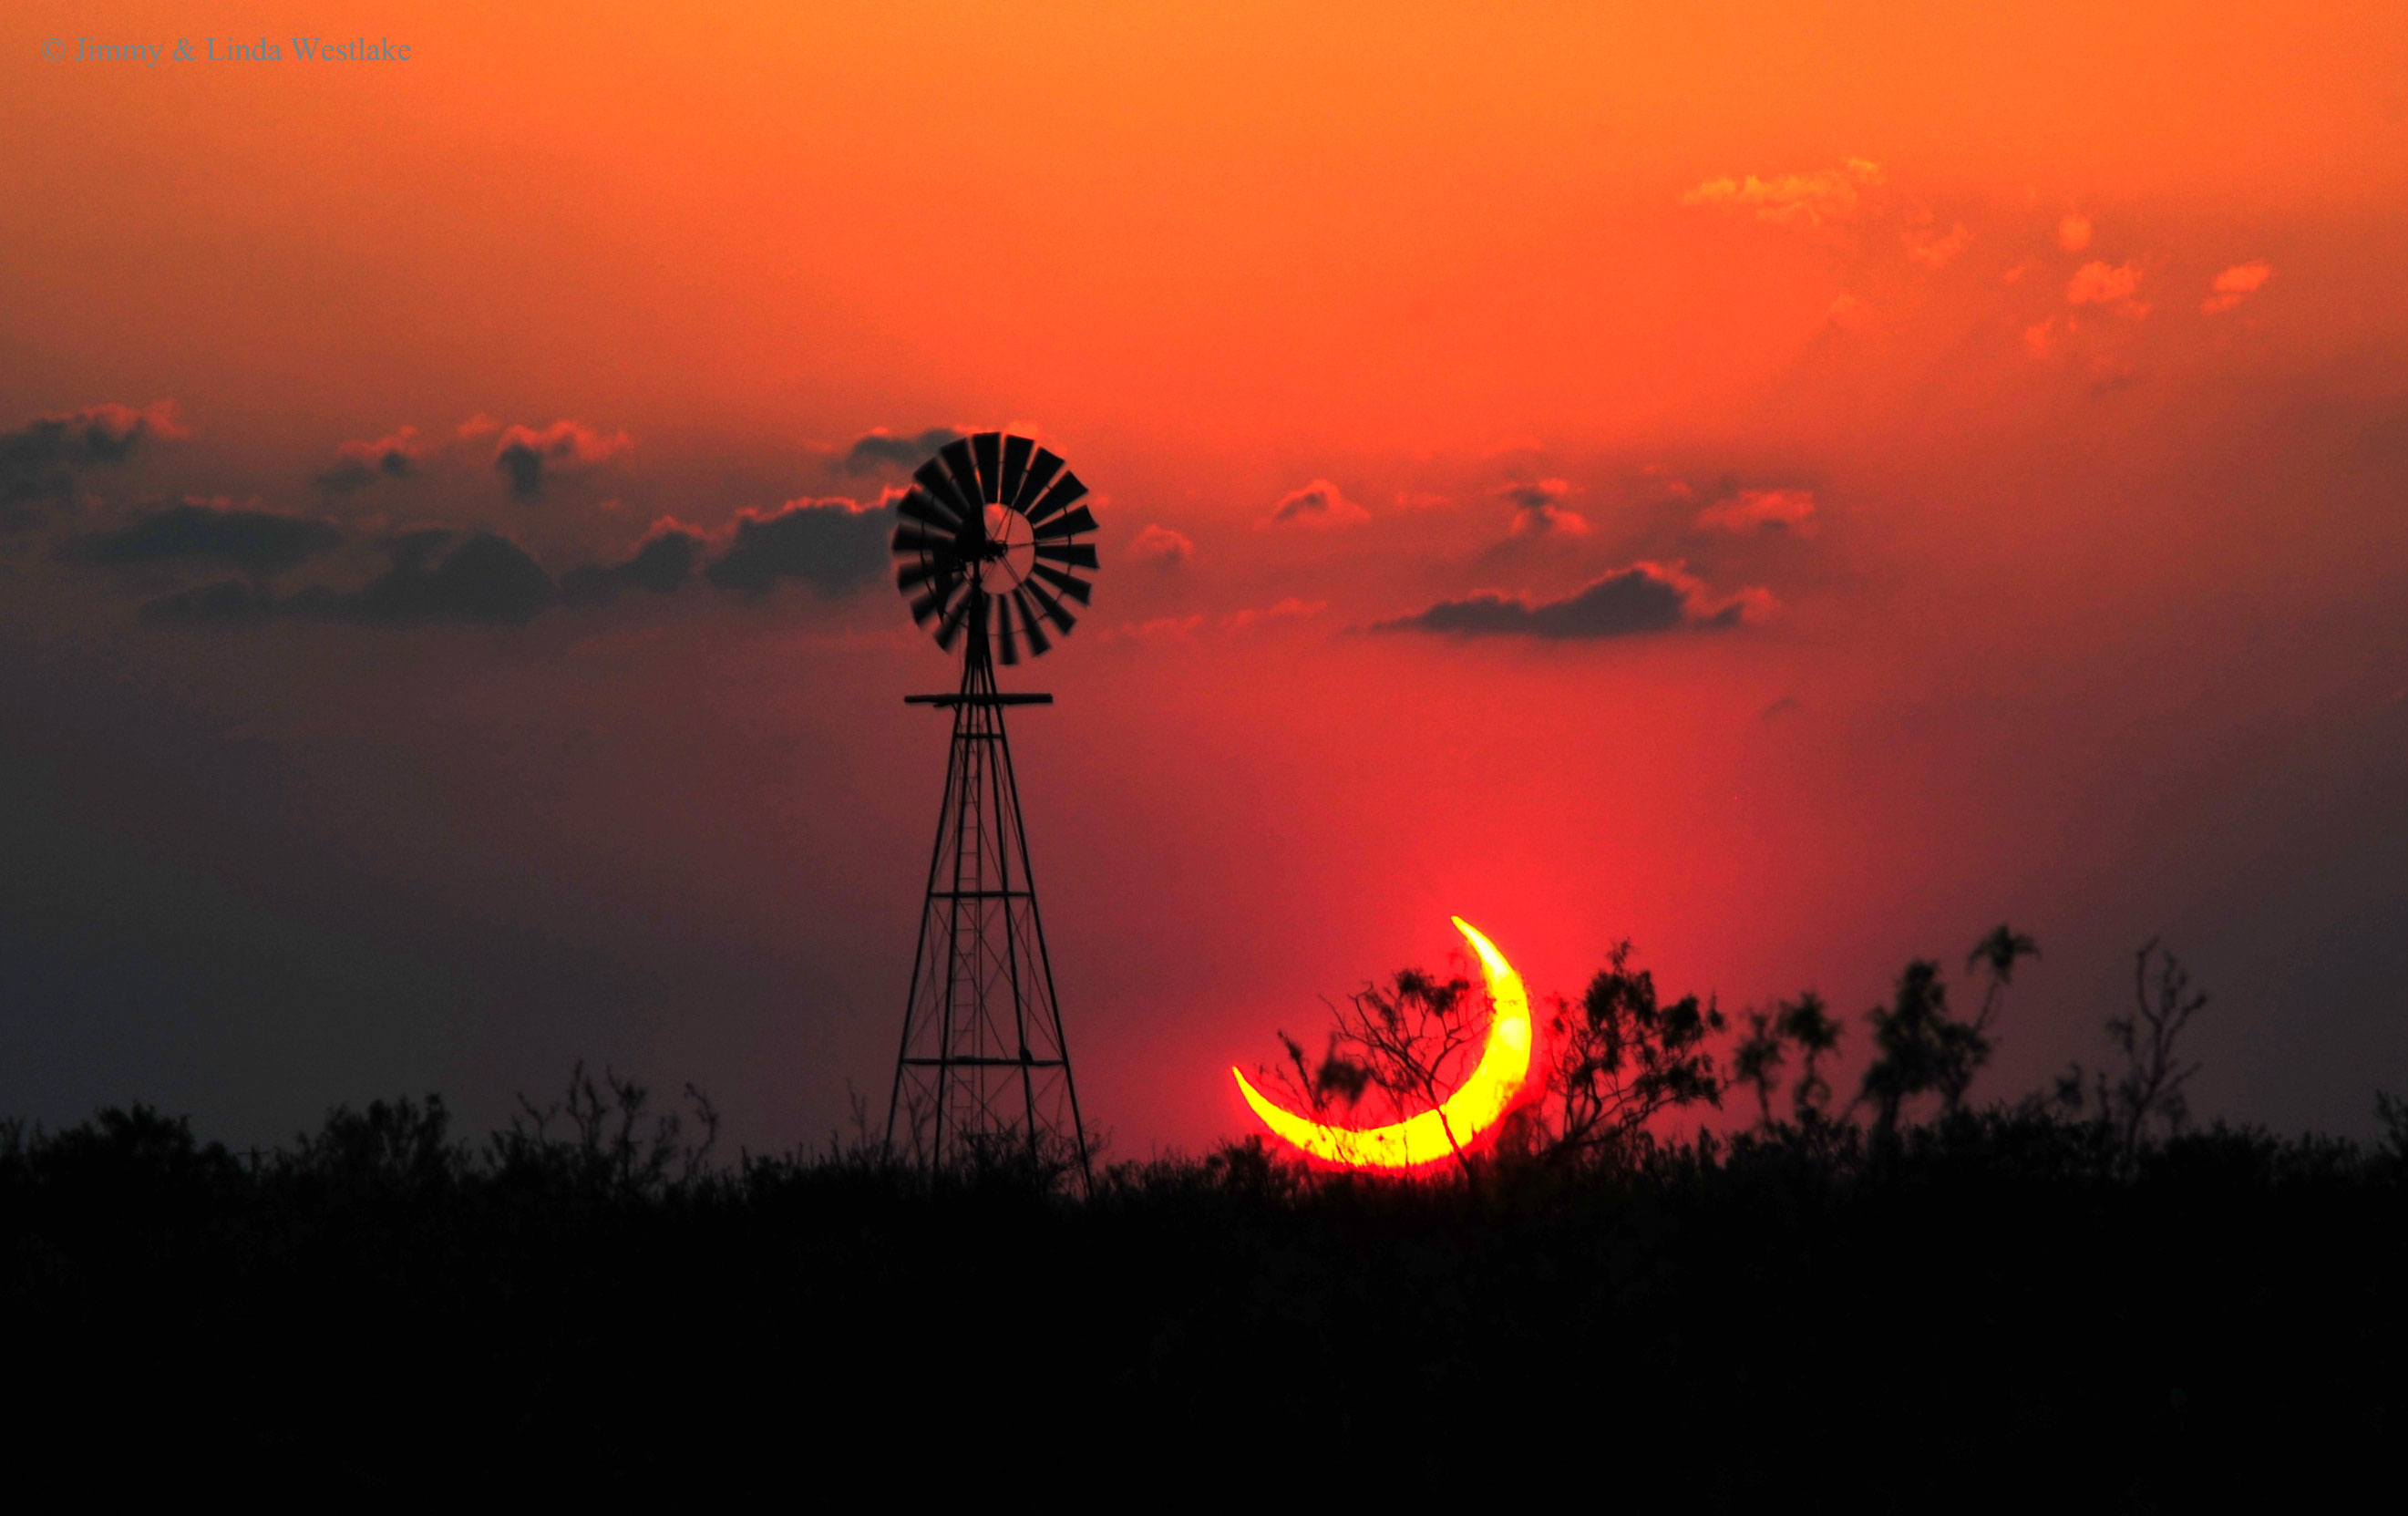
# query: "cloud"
{"type": "Point", "coordinates": [479, 425]}
{"type": "Point", "coordinates": [1538, 508]}
{"type": "Point", "coordinates": [1549, 521]}
{"type": "Point", "coordinates": [1762, 510]}
{"type": "Point", "coordinates": [878, 449]}
{"type": "Point", "coordinates": [2096, 283]}
{"type": "Point", "coordinates": [527, 456]}
{"type": "Point", "coordinates": [38, 460]}
{"type": "Point", "coordinates": [2073, 231]}
{"type": "Point", "coordinates": [486, 578]}
{"type": "Point", "coordinates": [1532, 495]}
{"type": "Point", "coordinates": [1186, 628]}
{"type": "Point", "coordinates": [359, 464]}
{"type": "Point", "coordinates": [1849, 315]}
{"type": "Point", "coordinates": [662, 562]}
{"type": "Point", "coordinates": [1804, 200]}
{"type": "Point", "coordinates": [2236, 284]}
{"type": "Point", "coordinates": [835, 545]}
{"type": "Point", "coordinates": [260, 542]}
{"type": "Point", "coordinates": [228, 602]}
{"type": "Point", "coordinates": [1663, 487]}
{"type": "Point", "coordinates": [1937, 252]}
{"type": "Point", "coordinates": [1643, 598]}
{"type": "Point", "coordinates": [1319, 503]}
{"type": "Point", "coordinates": [1162, 547]}
{"type": "Point", "coordinates": [1290, 609]}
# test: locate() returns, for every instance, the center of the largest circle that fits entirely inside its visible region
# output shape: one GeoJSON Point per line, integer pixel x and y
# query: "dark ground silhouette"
{"type": "Point", "coordinates": [2041, 1303]}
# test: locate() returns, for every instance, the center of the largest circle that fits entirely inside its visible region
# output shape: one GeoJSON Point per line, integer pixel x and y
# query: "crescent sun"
{"type": "Point", "coordinates": [1484, 1096]}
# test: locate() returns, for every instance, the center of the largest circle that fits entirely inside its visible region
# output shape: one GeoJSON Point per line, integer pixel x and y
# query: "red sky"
{"type": "Point", "coordinates": [2029, 389]}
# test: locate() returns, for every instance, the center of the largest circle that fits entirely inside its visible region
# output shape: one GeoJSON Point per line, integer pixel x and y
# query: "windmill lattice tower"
{"type": "Point", "coordinates": [988, 540]}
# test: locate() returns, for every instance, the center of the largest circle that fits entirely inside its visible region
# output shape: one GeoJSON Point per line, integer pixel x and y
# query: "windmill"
{"type": "Point", "coordinates": [988, 553]}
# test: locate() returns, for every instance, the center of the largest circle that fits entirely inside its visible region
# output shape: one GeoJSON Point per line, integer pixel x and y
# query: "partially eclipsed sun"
{"type": "Point", "coordinates": [1476, 1105]}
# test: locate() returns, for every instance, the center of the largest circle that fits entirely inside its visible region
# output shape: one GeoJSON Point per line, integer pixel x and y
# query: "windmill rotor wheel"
{"type": "Point", "coordinates": [988, 540]}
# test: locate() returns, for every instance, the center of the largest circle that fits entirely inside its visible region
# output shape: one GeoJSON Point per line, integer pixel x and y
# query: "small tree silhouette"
{"type": "Point", "coordinates": [1757, 1060]}
{"type": "Point", "coordinates": [1920, 1048]}
{"type": "Point", "coordinates": [1808, 1024]}
{"type": "Point", "coordinates": [1410, 1040]}
{"type": "Point", "coordinates": [2150, 1085]}
{"type": "Point", "coordinates": [1621, 1056]}
{"type": "Point", "coordinates": [2148, 1091]}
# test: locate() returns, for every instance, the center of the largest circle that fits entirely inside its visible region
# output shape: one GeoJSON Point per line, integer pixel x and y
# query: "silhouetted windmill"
{"type": "Point", "coordinates": [990, 550]}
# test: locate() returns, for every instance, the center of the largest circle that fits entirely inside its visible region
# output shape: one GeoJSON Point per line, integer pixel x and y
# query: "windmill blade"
{"type": "Point", "coordinates": [1077, 555]}
{"type": "Point", "coordinates": [931, 476]}
{"type": "Point", "coordinates": [1078, 589]}
{"type": "Point", "coordinates": [1003, 630]}
{"type": "Point", "coordinates": [1065, 493]}
{"type": "Point", "coordinates": [1041, 473]}
{"type": "Point", "coordinates": [1015, 467]}
{"type": "Point", "coordinates": [910, 537]}
{"type": "Point", "coordinates": [918, 507]}
{"type": "Point", "coordinates": [987, 448]}
{"type": "Point", "coordinates": [1062, 619]}
{"type": "Point", "coordinates": [1069, 525]}
{"type": "Point", "coordinates": [920, 572]}
{"type": "Point", "coordinates": [939, 595]}
{"type": "Point", "coordinates": [1038, 645]}
{"type": "Point", "coordinates": [965, 483]}
{"type": "Point", "coordinates": [950, 630]}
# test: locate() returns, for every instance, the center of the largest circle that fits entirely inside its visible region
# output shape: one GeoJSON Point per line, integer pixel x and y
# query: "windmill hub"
{"type": "Point", "coordinates": [1008, 550]}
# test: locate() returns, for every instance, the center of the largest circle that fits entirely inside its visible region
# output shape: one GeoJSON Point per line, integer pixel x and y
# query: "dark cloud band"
{"type": "Point", "coordinates": [1644, 597]}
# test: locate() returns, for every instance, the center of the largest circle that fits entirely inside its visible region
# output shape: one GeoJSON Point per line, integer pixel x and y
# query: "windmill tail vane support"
{"type": "Point", "coordinates": [988, 552]}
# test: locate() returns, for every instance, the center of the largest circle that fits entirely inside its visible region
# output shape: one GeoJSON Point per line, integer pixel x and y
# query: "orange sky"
{"type": "Point", "coordinates": [2032, 382]}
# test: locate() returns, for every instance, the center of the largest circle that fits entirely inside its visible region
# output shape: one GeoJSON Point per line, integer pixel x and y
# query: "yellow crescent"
{"type": "Point", "coordinates": [1475, 1105]}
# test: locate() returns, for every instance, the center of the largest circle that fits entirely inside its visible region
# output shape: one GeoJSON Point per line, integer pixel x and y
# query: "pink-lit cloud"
{"type": "Point", "coordinates": [1539, 510]}
{"type": "Point", "coordinates": [1752, 510]}
{"type": "Point", "coordinates": [1290, 609]}
{"type": "Point", "coordinates": [1643, 598]}
{"type": "Point", "coordinates": [1936, 250]}
{"type": "Point", "coordinates": [2236, 284]}
{"type": "Point", "coordinates": [1319, 503]}
{"type": "Point", "coordinates": [527, 456]}
{"type": "Point", "coordinates": [1162, 547]}
{"type": "Point", "coordinates": [360, 463]}
{"type": "Point", "coordinates": [1808, 200]}
{"type": "Point", "coordinates": [2099, 284]}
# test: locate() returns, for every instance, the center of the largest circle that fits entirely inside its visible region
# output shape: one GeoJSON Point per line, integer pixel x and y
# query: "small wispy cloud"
{"type": "Point", "coordinates": [2236, 284]}
{"type": "Point", "coordinates": [2100, 283]}
{"type": "Point", "coordinates": [1539, 510]}
{"type": "Point", "coordinates": [1751, 511]}
{"type": "Point", "coordinates": [1816, 199]}
{"type": "Point", "coordinates": [1319, 503]}
{"type": "Point", "coordinates": [1162, 547]}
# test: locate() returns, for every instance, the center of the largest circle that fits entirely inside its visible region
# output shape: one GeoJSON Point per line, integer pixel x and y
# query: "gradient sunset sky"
{"type": "Point", "coordinates": [1789, 486]}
